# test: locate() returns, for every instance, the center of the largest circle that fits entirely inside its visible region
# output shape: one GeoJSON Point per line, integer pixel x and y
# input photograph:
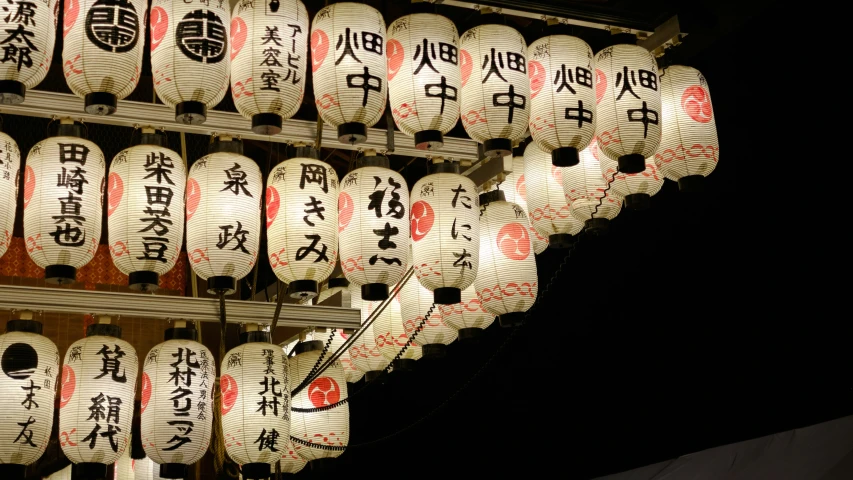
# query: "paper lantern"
{"type": "Point", "coordinates": [515, 190]}
{"type": "Point", "coordinates": [30, 363]}
{"type": "Point", "coordinates": [302, 244]}
{"type": "Point", "coordinates": [223, 215]}
{"type": "Point", "coordinates": [562, 96]}
{"type": "Point", "coordinates": [189, 56]}
{"type": "Point", "coordinates": [365, 352]}
{"type": "Point", "coordinates": [445, 232]}
{"type": "Point", "coordinates": [269, 55]}
{"type": "Point", "coordinates": [349, 86]}
{"type": "Point", "coordinates": [628, 118]}
{"type": "Point", "coordinates": [332, 287]}
{"type": "Point", "coordinates": [415, 303]}
{"type": "Point", "coordinates": [585, 187]}
{"type": "Point", "coordinates": [323, 435]}
{"type": "Point", "coordinates": [102, 50]}
{"type": "Point", "coordinates": [468, 317]}
{"type": "Point", "coordinates": [63, 198]}
{"type": "Point", "coordinates": [291, 462]}
{"type": "Point", "coordinates": [146, 469]}
{"type": "Point", "coordinates": [10, 169]}
{"type": "Point", "coordinates": [27, 36]}
{"type": "Point", "coordinates": [176, 401]}
{"type": "Point", "coordinates": [96, 400]}
{"type": "Point", "coordinates": [689, 149]}
{"type": "Point", "coordinates": [546, 204]}
{"type": "Point", "coordinates": [635, 189]}
{"type": "Point", "coordinates": [495, 89]}
{"type": "Point", "coordinates": [256, 417]}
{"type": "Point", "coordinates": [351, 373]}
{"type": "Point", "coordinates": [125, 467]}
{"type": "Point", "coordinates": [424, 77]}
{"type": "Point", "coordinates": [373, 225]}
{"type": "Point", "coordinates": [391, 337]}
{"type": "Point", "coordinates": [145, 210]}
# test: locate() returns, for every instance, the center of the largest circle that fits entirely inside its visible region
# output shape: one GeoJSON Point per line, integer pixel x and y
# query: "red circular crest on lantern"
{"type": "Point", "coordinates": [466, 65]}
{"type": "Point", "coordinates": [514, 241]}
{"type": "Point", "coordinates": [193, 197]}
{"type": "Point", "coordinates": [159, 24]}
{"type": "Point", "coordinates": [345, 211]}
{"type": "Point", "coordinates": [69, 383]}
{"type": "Point", "coordinates": [238, 35]}
{"type": "Point", "coordinates": [697, 103]}
{"type": "Point", "coordinates": [228, 387]}
{"type": "Point", "coordinates": [557, 173]}
{"type": "Point", "coordinates": [72, 8]}
{"type": "Point", "coordinates": [319, 48]}
{"type": "Point", "coordinates": [273, 203]}
{"type": "Point", "coordinates": [600, 85]}
{"type": "Point", "coordinates": [395, 55]}
{"type": "Point", "coordinates": [145, 396]}
{"type": "Point", "coordinates": [29, 185]}
{"type": "Point", "coordinates": [521, 187]}
{"type": "Point", "coordinates": [422, 219]}
{"type": "Point", "coordinates": [324, 391]}
{"type": "Point", "coordinates": [536, 72]}
{"type": "Point", "coordinates": [116, 191]}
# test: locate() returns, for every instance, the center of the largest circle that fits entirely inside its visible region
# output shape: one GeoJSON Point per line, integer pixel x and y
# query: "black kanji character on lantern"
{"type": "Point", "coordinates": [73, 152]}
{"type": "Point", "coordinates": [580, 114]}
{"type": "Point", "coordinates": [493, 65]}
{"type": "Point", "coordinates": [24, 14]}
{"type": "Point", "coordinates": [157, 195]}
{"type": "Point", "coordinates": [385, 243]}
{"type": "Point", "coordinates": [510, 101]}
{"type": "Point", "coordinates": [111, 363]}
{"type": "Point", "coordinates": [296, 29]}
{"type": "Point", "coordinates": [185, 427]}
{"type": "Point", "coordinates": [112, 430]}
{"type": "Point", "coordinates": [267, 440]}
{"type": "Point", "coordinates": [627, 78]}
{"type": "Point", "coordinates": [271, 57]}
{"type": "Point", "coordinates": [648, 80]}
{"type": "Point", "coordinates": [365, 84]}
{"type": "Point", "coordinates": [516, 62]}
{"type": "Point", "coordinates": [441, 91]}
{"type": "Point", "coordinates": [348, 50]}
{"type": "Point", "coordinates": [70, 208]}
{"type": "Point", "coordinates": [15, 52]}
{"type": "Point", "coordinates": [462, 260]}
{"type": "Point", "coordinates": [317, 208]}
{"type": "Point", "coordinates": [396, 209]}
{"type": "Point", "coordinates": [564, 78]}
{"type": "Point", "coordinates": [156, 222]}
{"type": "Point", "coordinates": [47, 376]}
{"type": "Point", "coordinates": [270, 362]}
{"type": "Point", "coordinates": [303, 252]}
{"type": "Point", "coordinates": [72, 180]}
{"type": "Point", "coordinates": [271, 35]}
{"type": "Point", "coordinates": [236, 182]}
{"type": "Point", "coordinates": [455, 234]}
{"type": "Point", "coordinates": [424, 53]}
{"type": "Point", "coordinates": [185, 376]}
{"type": "Point", "coordinates": [646, 116]}
{"type": "Point", "coordinates": [313, 173]}
{"type": "Point", "coordinates": [448, 53]}
{"type": "Point", "coordinates": [239, 236]}
{"type": "Point", "coordinates": [68, 236]}
{"type": "Point", "coordinates": [159, 165]}
{"type": "Point", "coordinates": [113, 25]}
{"type": "Point", "coordinates": [179, 394]}
{"type": "Point", "coordinates": [235, 359]}
{"type": "Point", "coordinates": [269, 384]}
{"type": "Point", "coordinates": [96, 410]}
{"type": "Point", "coordinates": [201, 36]}
{"type": "Point", "coordinates": [26, 434]}
{"type": "Point", "coordinates": [29, 401]}
{"type": "Point", "coordinates": [154, 248]}
{"type": "Point", "coordinates": [456, 197]}
{"type": "Point", "coordinates": [76, 354]}
{"type": "Point", "coordinates": [372, 42]}
{"type": "Point", "coordinates": [270, 80]}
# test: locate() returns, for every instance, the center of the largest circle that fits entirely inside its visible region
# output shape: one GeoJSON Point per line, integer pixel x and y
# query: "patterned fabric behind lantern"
{"type": "Point", "coordinates": [27, 36]}
{"type": "Point", "coordinates": [516, 192]}
{"type": "Point", "coordinates": [30, 363]}
{"type": "Point", "coordinates": [495, 89]}
{"type": "Point", "coordinates": [424, 77]}
{"type": "Point", "coordinates": [349, 70]}
{"type": "Point", "coordinates": [145, 210]}
{"type": "Point", "coordinates": [63, 198]}
{"type": "Point", "coordinates": [635, 189]}
{"type": "Point", "coordinates": [373, 226]}
{"type": "Point", "coordinates": [10, 164]}
{"type": "Point", "coordinates": [391, 336]}
{"type": "Point", "coordinates": [365, 352]}
{"type": "Point", "coordinates": [585, 187]}
{"type": "Point", "coordinates": [189, 56]}
{"type": "Point", "coordinates": [96, 400]}
{"type": "Point", "coordinates": [256, 417]}
{"type": "Point", "coordinates": [102, 50]}
{"type": "Point", "coordinates": [302, 222]}
{"type": "Point", "coordinates": [415, 303]}
{"type": "Point", "coordinates": [562, 96]}
{"type": "Point", "coordinates": [269, 55]}
{"type": "Point", "coordinates": [223, 223]}
{"type": "Point", "coordinates": [468, 317]}
{"type": "Point", "coordinates": [176, 433]}
{"type": "Point", "coordinates": [445, 232]}
{"type": "Point", "coordinates": [628, 117]}
{"type": "Point", "coordinates": [350, 371]}
{"type": "Point", "coordinates": [546, 203]}
{"type": "Point", "coordinates": [689, 149]}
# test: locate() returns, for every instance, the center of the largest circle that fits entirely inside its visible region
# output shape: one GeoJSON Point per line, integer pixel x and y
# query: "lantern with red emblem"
{"type": "Point", "coordinates": [635, 189]}
{"type": "Point", "coordinates": [546, 203]}
{"type": "Point", "coordinates": [10, 161]}
{"type": "Point", "coordinates": [586, 191]}
{"type": "Point", "coordinates": [27, 37]}
{"type": "Point", "coordinates": [468, 317]}
{"type": "Point", "coordinates": [516, 192]}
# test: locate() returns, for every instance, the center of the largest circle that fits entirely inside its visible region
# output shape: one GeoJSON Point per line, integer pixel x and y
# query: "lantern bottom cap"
{"type": "Point", "coordinates": [561, 240]}
{"type": "Point", "coordinates": [221, 284]}
{"type": "Point", "coordinates": [352, 133]}
{"type": "Point", "coordinates": [374, 292]}
{"type": "Point", "coordinates": [565, 157]}
{"type": "Point", "coordinates": [60, 274]}
{"type": "Point", "coordinates": [322, 465]}
{"type": "Point", "coordinates": [308, 346]}
{"type": "Point", "coordinates": [12, 92]}
{"type": "Point", "coordinates": [434, 350]}
{"type": "Point", "coordinates": [338, 282]}
{"type": "Point", "coordinates": [469, 334]}
{"type": "Point", "coordinates": [497, 147]}
{"type": "Point", "coordinates": [26, 326]}
{"type": "Point", "coordinates": [89, 471]}
{"type": "Point", "coordinates": [266, 123]}
{"type": "Point", "coordinates": [447, 295]}
{"type": "Point", "coordinates": [638, 201]}
{"type": "Point", "coordinates": [143, 281]}
{"type": "Point", "coordinates": [511, 319]}
{"type": "Point", "coordinates": [404, 365]}
{"type": "Point", "coordinates": [191, 113]}
{"type": "Point", "coordinates": [597, 226]}
{"type": "Point", "coordinates": [691, 183]}
{"type": "Point", "coordinates": [429, 140]}
{"type": "Point", "coordinates": [13, 470]}
{"type": "Point", "coordinates": [631, 163]}
{"type": "Point", "coordinates": [372, 375]}
{"type": "Point", "coordinates": [302, 289]}
{"type": "Point", "coordinates": [173, 470]}
{"type": "Point", "coordinates": [256, 470]}
{"type": "Point", "coordinates": [492, 196]}
{"type": "Point", "coordinates": [101, 103]}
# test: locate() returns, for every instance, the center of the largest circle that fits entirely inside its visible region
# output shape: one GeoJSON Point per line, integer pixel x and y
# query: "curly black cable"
{"type": "Point", "coordinates": [411, 339]}
{"type": "Point", "coordinates": [317, 445]}
{"type": "Point", "coordinates": [603, 194]}
{"type": "Point", "coordinates": [323, 353]}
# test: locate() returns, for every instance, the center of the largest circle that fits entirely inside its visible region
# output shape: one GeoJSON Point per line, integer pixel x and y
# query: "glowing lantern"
{"type": "Point", "coordinates": [10, 162]}
{"type": "Point", "coordinates": [635, 189]}
{"type": "Point", "coordinates": [468, 317]}
{"type": "Point", "coordinates": [373, 224]}
{"type": "Point", "coordinates": [689, 149]}
{"type": "Point", "coordinates": [30, 363]}
{"type": "Point", "coordinates": [365, 352]}
{"type": "Point", "coordinates": [549, 211]}
{"type": "Point", "coordinates": [349, 87]}
{"type": "Point", "coordinates": [516, 192]}
{"type": "Point", "coordinates": [27, 38]}
{"type": "Point", "coordinates": [63, 198]}
{"type": "Point", "coordinates": [495, 89]}
{"type": "Point", "coordinates": [189, 56]}
{"type": "Point", "coordinates": [291, 462]}
{"type": "Point", "coordinates": [223, 224]}
{"type": "Point", "coordinates": [145, 210]}
{"type": "Point", "coordinates": [416, 302]}
{"type": "Point", "coordinates": [176, 433]}
{"type": "Point", "coordinates": [256, 417]}
{"type": "Point", "coordinates": [424, 77]}
{"type": "Point", "coordinates": [302, 245]}
{"type": "Point", "coordinates": [352, 373]}
{"type": "Point", "coordinates": [391, 337]}
{"type": "Point", "coordinates": [96, 402]}
{"type": "Point", "coordinates": [562, 96]}
{"type": "Point", "coordinates": [628, 124]}
{"type": "Point", "coordinates": [586, 191]}
{"type": "Point", "coordinates": [332, 287]}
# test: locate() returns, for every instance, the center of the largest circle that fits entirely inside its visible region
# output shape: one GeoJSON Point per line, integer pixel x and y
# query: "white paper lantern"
{"type": "Point", "coordinates": [291, 462]}
{"type": "Point", "coordinates": [96, 400]}
{"type": "Point", "coordinates": [63, 198]}
{"type": "Point", "coordinates": [468, 317]}
{"type": "Point", "coordinates": [445, 232]}
{"type": "Point", "coordinates": [189, 56]}
{"type": "Point", "coordinates": [628, 120]}
{"type": "Point", "coordinates": [585, 187]}
{"type": "Point", "coordinates": [125, 467]}
{"type": "Point", "coordinates": [373, 226]}
{"type": "Point", "coordinates": [269, 57]}
{"type": "Point", "coordinates": [102, 50]}
{"type": "Point", "coordinates": [332, 287]}
{"type": "Point", "coordinates": [10, 169]}
{"type": "Point", "coordinates": [689, 149]}
{"type": "Point", "coordinates": [176, 402]}
{"type": "Point", "coordinates": [256, 417]}
{"type": "Point", "coordinates": [352, 373]}
{"type": "Point", "coordinates": [146, 469]}
{"type": "Point", "coordinates": [302, 223]}
{"type": "Point", "coordinates": [349, 69]}
{"type": "Point", "coordinates": [495, 104]}
{"type": "Point", "coordinates": [415, 303]}
{"type": "Point", "coordinates": [27, 36]}
{"type": "Point", "coordinates": [424, 77]}
{"type": "Point", "coordinates": [224, 195]}
{"type": "Point", "coordinates": [365, 352]}
{"type": "Point", "coordinates": [635, 189]}
{"type": "Point", "coordinates": [145, 210]}
{"type": "Point", "coordinates": [391, 336]}
{"type": "Point", "coordinates": [515, 190]}
{"type": "Point", "coordinates": [547, 207]}
{"type": "Point", "coordinates": [30, 364]}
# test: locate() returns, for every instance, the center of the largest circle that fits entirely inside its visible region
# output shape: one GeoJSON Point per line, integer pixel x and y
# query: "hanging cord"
{"type": "Point", "coordinates": [217, 444]}
{"type": "Point", "coordinates": [322, 353]}
{"type": "Point", "coordinates": [278, 300]}
{"type": "Point", "coordinates": [603, 194]}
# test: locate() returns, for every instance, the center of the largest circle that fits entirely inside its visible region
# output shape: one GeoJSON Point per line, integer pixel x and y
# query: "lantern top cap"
{"type": "Point", "coordinates": [226, 143]}
{"type": "Point", "coordinates": [444, 167]}
{"type": "Point", "coordinates": [257, 336]}
{"type": "Point", "coordinates": [493, 196]}
{"type": "Point", "coordinates": [181, 333]}
{"type": "Point", "coordinates": [27, 326]}
{"type": "Point", "coordinates": [373, 161]}
{"type": "Point", "coordinates": [103, 329]}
